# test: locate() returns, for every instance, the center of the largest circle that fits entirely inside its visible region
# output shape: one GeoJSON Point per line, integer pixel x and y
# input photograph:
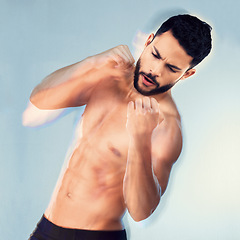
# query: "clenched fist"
{"type": "Point", "coordinates": [117, 61]}
{"type": "Point", "coordinates": [143, 116]}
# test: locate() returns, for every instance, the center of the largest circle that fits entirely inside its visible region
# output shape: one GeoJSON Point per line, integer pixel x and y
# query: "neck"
{"type": "Point", "coordinates": [133, 94]}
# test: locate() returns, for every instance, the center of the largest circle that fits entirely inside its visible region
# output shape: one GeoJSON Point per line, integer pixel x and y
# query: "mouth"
{"type": "Point", "coordinates": [147, 81]}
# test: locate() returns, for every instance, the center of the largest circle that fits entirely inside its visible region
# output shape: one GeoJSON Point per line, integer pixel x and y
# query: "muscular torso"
{"type": "Point", "coordinates": [89, 194]}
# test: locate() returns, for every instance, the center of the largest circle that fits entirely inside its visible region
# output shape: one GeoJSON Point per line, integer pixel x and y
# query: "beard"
{"type": "Point", "coordinates": [157, 90]}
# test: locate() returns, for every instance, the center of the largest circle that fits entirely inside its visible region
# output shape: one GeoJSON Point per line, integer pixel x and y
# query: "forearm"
{"type": "Point", "coordinates": [73, 85]}
{"type": "Point", "coordinates": [141, 189]}
{"type": "Point", "coordinates": [67, 86]}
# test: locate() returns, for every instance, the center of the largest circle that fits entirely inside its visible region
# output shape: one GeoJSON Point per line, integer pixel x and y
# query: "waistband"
{"type": "Point", "coordinates": [60, 233]}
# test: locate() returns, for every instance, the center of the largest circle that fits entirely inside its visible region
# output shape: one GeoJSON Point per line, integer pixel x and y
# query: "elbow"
{"type": "Point", "coordinates": [25, 120]}
{"type": "Point", "coordinates": [138, 217]}
{"type": "Point", "coordinates": [34, 117]}
{"type": "Point", "coordinates": [29, 119]}
{"type": "Point", "coordinates": [145, 211]}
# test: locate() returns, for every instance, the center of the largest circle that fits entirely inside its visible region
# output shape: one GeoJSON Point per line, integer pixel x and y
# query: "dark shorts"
{"type": "Point", "coordinates": [46, 230]}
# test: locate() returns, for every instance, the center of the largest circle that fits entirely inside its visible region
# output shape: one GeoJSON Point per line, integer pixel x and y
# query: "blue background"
{"type": "Point", "coordinates": [40, 36]}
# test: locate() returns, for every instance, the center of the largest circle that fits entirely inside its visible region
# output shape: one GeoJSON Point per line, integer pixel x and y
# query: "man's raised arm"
{"type": "Point", "coordinates": [150, 158]}
{"type": "Point", "coordinates": [73, 85]}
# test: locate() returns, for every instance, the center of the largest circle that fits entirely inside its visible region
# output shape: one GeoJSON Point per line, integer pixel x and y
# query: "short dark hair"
{"type": "Point", "coordinates": [192, 34]}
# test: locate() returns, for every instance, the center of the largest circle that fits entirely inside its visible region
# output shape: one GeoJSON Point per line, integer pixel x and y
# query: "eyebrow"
{"type": "Point", "coordinates": [168, 64]}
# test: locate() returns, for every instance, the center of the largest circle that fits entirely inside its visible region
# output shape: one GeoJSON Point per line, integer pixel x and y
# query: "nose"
{"type": "Point", "coordinates": [157, 68]}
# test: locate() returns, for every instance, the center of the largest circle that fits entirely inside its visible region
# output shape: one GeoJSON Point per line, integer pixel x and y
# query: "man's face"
{"type": "Point", "coordinates": [162, 63]}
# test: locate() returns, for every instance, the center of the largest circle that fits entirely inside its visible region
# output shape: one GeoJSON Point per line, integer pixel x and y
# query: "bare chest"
{"type": "Point", "coordinates": [104, 129]}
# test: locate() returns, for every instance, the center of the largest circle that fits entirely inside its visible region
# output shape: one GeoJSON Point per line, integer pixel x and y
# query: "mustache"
{"type": "Point", "coordinates": [151, 77]}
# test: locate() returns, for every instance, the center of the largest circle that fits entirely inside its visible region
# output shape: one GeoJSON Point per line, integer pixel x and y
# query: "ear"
{"type": "Point", "coordinates": [149, 40]}
{"type": "Point", "coordinates": [188, 73]}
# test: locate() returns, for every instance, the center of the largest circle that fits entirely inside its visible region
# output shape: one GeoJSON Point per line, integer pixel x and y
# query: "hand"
{"type": "Point", "coordinates": [143, 116]}
{"type": "Point", "coordinates": [118, 61]}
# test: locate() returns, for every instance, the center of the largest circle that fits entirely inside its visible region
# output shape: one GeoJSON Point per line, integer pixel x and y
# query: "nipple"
{"type": "Point", "coordinates": [114, 150]}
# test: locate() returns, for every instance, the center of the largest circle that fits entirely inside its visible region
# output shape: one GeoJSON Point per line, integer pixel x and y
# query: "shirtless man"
{"type": "Point", "coordinates": [129, 135]}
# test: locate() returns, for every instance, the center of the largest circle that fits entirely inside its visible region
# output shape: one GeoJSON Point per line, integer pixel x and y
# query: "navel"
{"type": "Point", "coordinates": [69, 195]}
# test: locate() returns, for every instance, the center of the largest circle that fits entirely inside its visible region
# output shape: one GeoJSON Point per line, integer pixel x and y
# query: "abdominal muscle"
{"type": "Point", "coordinates": [89, 194]}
